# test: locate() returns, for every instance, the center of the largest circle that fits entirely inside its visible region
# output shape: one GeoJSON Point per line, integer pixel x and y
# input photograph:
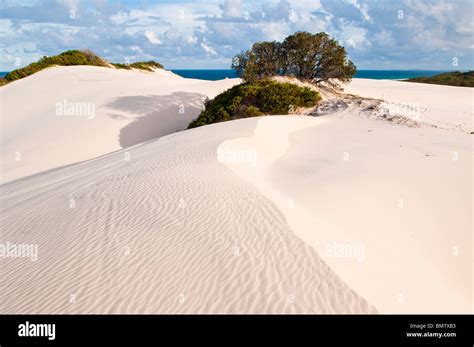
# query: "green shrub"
{"type": "Point", "coordinates": [253, 111]}
{"type": "Point", "coordinates": [67, 58]}
{"type": "Point", "coordinates": [121, 66]}
{"type": "Point", "coordinates": [141, 65]}
{"type": "Point", "coordinates": [73, 57]}
{"type": "Point", "coordinates": [252, 99]}
{"type": "Point", "coordinates": [456, 78]}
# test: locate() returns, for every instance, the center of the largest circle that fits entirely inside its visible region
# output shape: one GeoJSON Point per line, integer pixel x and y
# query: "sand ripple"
{"type": "Point", "coordinates": [172, 230]}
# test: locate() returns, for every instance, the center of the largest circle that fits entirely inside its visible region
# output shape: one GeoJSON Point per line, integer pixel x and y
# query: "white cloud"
{"type": "Point", "coordinates": [151, 36]}
{"type": "Point", "coordinates": [193, 33]}
{"type": "Point", "coordinates": [6, 27]}
{"type": "Point", "coordinates": [190, 39]}
{"type": "Point", "coordinates": [354, 36]}
{"type": "Point", "coordinates": [120, 18]}
{"type": "Point", "coordinates": [208, 50]}
{"type": "Point", "coordinates": [231, 8]}
{"type": "Point", "coordinates": [363, 8]}
{"type": "Point", "coordinates": [275, 31]}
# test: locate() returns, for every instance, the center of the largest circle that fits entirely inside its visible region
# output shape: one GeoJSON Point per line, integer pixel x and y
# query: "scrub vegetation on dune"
{"type": "Point", "coordinates": [253, 99]}
{"type": "Point", "coordinates": [455, 78]}
{"type": "Point", "coordinates": [314, 58]}
{"type": "Point", "coordinates": [70, 58]}
{"type": "Point", "coordinates": [141, 65]}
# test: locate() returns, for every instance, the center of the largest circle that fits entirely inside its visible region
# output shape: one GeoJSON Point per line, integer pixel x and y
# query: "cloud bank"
{"type": "Point", "coordinates": [404, 34]}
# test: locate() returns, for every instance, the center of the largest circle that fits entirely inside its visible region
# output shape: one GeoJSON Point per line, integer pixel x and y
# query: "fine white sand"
{"type": "Point", "coordinates": [109, 110]}
{"type": "Point", "coordinates": [298, 214]}
{"type": "Point", "coordinates": [171, 230]}
{"type": "Point", "coordinates": [387, 206]}
{"type": "Point", "coordinates": [393, 220]}
{"type": "Point", "coordinates": [440, 106]}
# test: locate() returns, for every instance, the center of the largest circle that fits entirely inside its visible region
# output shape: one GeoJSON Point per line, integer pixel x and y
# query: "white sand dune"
{"type": "Point", "coordinates": [387, 206]}
{"type": "Point", "coordinates": [110, 110]}
{"type": "Point", "coordinates": [170, 230]}
{"type": "Point", "coordinates": [445, 107]}
{"type": "Point", "coordinates": [300, 214]}
{"type": "Point", "coordinates": [393, 220]}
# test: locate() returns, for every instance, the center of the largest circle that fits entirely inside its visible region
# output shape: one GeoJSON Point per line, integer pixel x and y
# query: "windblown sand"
{"type": "Point", "coordinates": [171, 230]}
{"type": "Point", "coordinates": [64, 115]}
{"type": "Point", "coordinates": [341, 213]}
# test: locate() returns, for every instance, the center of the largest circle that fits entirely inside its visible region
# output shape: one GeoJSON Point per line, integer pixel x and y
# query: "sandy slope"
{"type": "Point", "coordinates": [388, 206]}
{"type": "Point", "coordinates": [441, 106]}
{"type": "Point", "coordinates": [120, 108]}
{"type": "Point", "coordinates": [170, 230]}
{"type": "Point", "coordinates": [243, 216]}
{"type": "Point", "coordinates": [385, 205]}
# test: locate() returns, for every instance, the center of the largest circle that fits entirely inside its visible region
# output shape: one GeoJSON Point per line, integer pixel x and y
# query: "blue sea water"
{"type": "Point", "coordinates": [213, 75]}
{"type": "Point", "coordinates": [210, 75]}
{"type": "Point", "coordinates": [395, 74]}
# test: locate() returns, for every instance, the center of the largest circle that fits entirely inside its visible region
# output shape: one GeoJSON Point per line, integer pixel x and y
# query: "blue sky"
{"type": "Point", "coordinates": [384, 34]}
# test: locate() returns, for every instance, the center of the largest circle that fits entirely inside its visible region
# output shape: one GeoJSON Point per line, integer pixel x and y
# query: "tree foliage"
{"type": "Point", "coordinates": [262, 61]}
{"type": "Point", "coordinates": [313, 57]}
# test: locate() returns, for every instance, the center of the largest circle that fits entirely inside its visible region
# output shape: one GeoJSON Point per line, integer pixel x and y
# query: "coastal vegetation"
{"type": "Point", "coordinates": [455, 78]}
{"type": "Point", "coordinates": [141, 65]}
{"type": "Point", "coordinates": [252, 99]}
{"type": "Point", "coordinates": [73, 57]}
{"type": "Point", "coordinates": [315, 58]}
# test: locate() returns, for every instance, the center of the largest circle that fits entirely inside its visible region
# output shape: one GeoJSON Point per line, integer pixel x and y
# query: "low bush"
{"type": "Point", "coordinates": [73, 57]}
{"type": "Point", "coordinates": [252, 99]}
{"type": "Point", "coordinates": [67, 58]}
{"type": "Point", "coordinates": [142, 65]}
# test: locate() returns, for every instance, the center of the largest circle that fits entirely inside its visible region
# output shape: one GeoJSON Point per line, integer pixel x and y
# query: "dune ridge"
{"type": "Point", "coordinates": [236, 217]}
{"type": "Point", "coordinates": [67, 114]}
{"type": "Point", "coordinates": [172, 230]}
{"type": "Point", "coordinates": [365, 194]}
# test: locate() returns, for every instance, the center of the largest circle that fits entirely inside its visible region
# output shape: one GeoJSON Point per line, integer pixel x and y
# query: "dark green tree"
{"type": "Point", "coordinates": [262, 61]}
{"type": "Point", "coordinates": [313, 57]}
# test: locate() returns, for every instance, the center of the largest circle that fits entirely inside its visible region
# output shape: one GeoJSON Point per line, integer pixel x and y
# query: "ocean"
{"type": "Point", "coordinates": [212, 75]}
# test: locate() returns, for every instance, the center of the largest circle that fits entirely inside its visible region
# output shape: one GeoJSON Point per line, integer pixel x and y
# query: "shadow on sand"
{"type": "Point", "coordinates": [155, 115]}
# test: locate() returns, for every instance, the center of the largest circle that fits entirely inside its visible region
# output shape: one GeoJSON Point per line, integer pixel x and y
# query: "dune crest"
{"type": "Point", "coordinates": [170, 230]}
{"type": "Point", "coordinates": [338, 212]}
{"type": "Point", "coordinates": [83, 112]}
{"type": "Point", "coordinates": [365, 194]}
